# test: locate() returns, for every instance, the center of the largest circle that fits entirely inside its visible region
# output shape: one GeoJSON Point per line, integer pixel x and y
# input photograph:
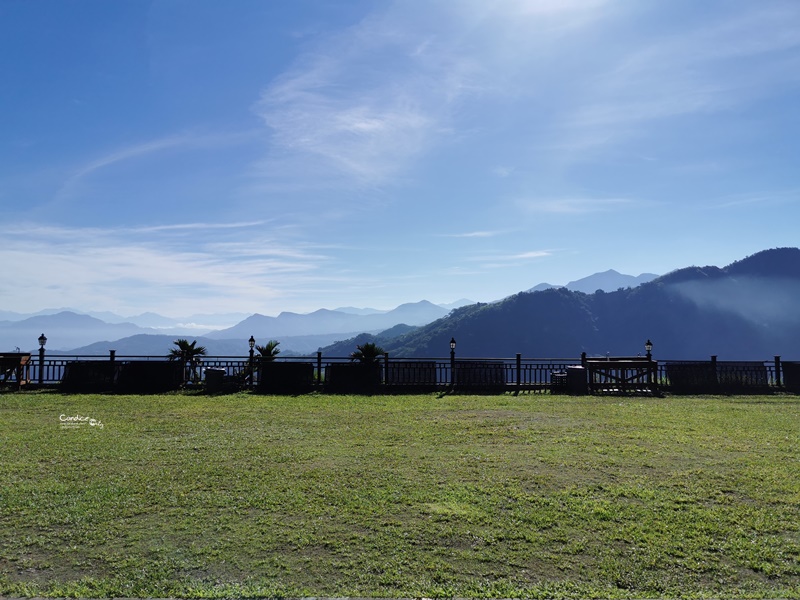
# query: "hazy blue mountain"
{"type": "Point", "coordinates": [325, 321]}
{"type": "Point", "coordinates": [352, 310]}
{"type": "Point", "coordinates": [159, 344]}
{"type": "Point", "coordinates": [63, 330]}
{"type": "Point", "coordinates": [199, 323]}
{"type": "Point", "coordinates": [348, 346]}
{"type": "Point", "coordinates": [457, 304]}
{"type": "Point", "coordinates": [154, 320]}
{"type": "Point", "coordinates": [540, 287]}
{"type": "Point", "coordinates": [78, 333]}
{"type": "Point", "coordinates": [7, 315]}
{"type": "Point", "coordinates": [607, 281]}
{"type": "Point", "coordinates": [745, 311]}
{"type": "Point", "coordinates": [146, 345]}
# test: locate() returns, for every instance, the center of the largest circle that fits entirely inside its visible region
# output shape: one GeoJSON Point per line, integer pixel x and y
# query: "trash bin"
{"type": "Point", "coordinates": [577, 383]}
{"type": "Point", "coordinates": [558, 382]}
{"type": "Point", "coordinates": [214, 378]}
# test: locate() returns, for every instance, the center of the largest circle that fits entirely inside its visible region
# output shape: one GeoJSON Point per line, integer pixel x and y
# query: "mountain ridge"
{"type": "Point", "coordinates": [745, 310]}
{"type": "Point", "coordinates": [324, 326]}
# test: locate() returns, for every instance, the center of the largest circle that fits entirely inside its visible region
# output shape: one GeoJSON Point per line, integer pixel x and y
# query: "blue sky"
{"type": "Point", "coordinates": [259, 156]}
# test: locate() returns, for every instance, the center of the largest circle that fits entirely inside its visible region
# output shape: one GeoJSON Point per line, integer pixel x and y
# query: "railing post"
{"type": "Point", "coordinates": [252, 369]}
{"type": "Point", "coordinates": [452, 368]}
{"type": "Point", "coordinates": [385, 368]}
{"type": "Point", "coordinates": [41, 365]}
{"type": "Point", "coordinates": [519, 372]}
{"type": "Point", "coordinates": [777, 370]}
{"type": "Point", "coordinates": [112, 356]}
{"type": "Point", "coordinates": [319, 369]}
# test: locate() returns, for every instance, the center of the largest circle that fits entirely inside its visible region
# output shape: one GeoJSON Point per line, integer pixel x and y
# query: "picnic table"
{"type": "Point", "coordinates": [14, 366]}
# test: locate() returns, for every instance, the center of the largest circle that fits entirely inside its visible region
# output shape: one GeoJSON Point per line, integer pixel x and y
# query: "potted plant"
{"type": "Point", "coordinates": [189, 354]}
{"type": "Point", "coordinates": [283, 377]}
{"type": "Point", "coordinates": [362, 375]}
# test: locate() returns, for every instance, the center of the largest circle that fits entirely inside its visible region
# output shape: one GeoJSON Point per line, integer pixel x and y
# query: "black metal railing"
{"type": "Point", "coordinates": [517, 374]}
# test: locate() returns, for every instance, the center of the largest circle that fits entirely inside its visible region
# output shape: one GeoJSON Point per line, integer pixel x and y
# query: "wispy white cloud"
{"type": "Point", "coordinates": [369, 103]}
{"type": "Point", "coordinates": [765, 198]}
{"type": "Point", "coordinates": [182, 141]}
{"type": "Point", "coordinates": [496, 259]}
{"type": "Point", "coordinates": [199, 226]}
{"type": "Point", "coordinates": [532, 254]}
{"type": "Point", "coordinates": [150, 270]}
{"type": "Point", "coordinates": [473, 234]}
{"type": "Point", "coordinates": [131, 152]}
{"type": "Point", "coordinates": [365, 133]}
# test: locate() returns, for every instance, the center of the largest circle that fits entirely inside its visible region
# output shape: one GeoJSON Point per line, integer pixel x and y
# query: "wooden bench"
{"type": "Point", "coordinates": [15, 365]}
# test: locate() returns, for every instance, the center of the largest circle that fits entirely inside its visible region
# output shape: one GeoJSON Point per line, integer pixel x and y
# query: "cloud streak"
{"type": "Point", "coordinates": [183, 141]}
{"type": "Point", "coordinates": [129, 268]}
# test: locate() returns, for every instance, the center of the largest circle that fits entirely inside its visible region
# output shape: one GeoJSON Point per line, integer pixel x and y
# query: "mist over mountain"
{"type": "Point", "coordinates": [747, 310]}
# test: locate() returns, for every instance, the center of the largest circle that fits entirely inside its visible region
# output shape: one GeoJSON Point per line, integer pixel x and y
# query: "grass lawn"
{"type": "Point", "coordinates": [399, 496]}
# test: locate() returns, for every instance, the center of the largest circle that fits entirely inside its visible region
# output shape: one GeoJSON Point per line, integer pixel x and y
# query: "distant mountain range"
{"type": "Point", "coordinates": [73, 333]}
{"type": "Point", "coordinates": [70, 331]}
{"type": "Point", "coordinates": [148, 320]}
{"type": "Point", "coordinates": [325, 321]}
{"type": "Point", "coordinates": [606, 281]}
{"type": "Point", "coordinates": [745, 311]}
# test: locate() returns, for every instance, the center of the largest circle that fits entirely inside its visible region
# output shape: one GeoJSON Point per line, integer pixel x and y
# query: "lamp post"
{"type": "Point", "coordinates": [452, 362]}
{"type": "Point", "coordinates": [648, 346]}
{"type": "Point", "coordinates": [42, 342]}
{"type": "Point", "coordinates": [252, 343]}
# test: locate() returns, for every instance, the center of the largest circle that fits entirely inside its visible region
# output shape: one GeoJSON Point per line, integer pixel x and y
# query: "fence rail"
{"type": "Point", "coordinates": [517, 374]}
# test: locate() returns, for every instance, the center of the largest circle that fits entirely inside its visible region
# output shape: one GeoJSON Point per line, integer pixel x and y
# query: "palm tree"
{"type": "Point", "coordinates": [270, 350]}
{"type": "Point", "coordinates": [187, 353]}
{"type": "Point", "coordinates": [367, 353]}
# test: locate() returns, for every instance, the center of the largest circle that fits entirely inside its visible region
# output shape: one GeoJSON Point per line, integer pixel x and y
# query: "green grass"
{"type": "Point", "coordinates": [400, 496]}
